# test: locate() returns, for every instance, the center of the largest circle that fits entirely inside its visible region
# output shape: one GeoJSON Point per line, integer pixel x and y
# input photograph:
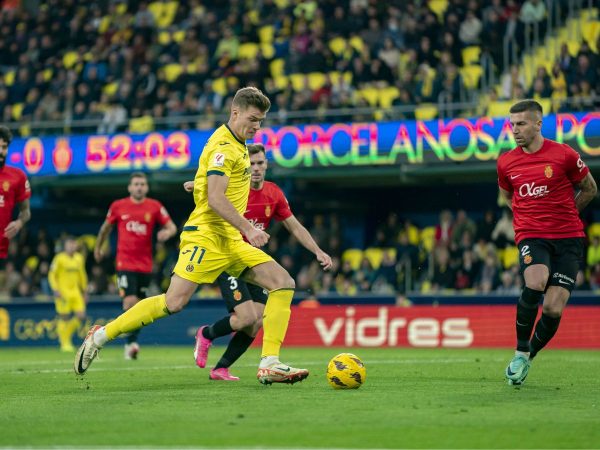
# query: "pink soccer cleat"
{"type": "Point", "coordinates": [201, 348]}
{"type": "Point", "coordinates": [222, 374]}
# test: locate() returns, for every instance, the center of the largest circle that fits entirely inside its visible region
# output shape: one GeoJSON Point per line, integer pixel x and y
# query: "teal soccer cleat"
{"type": "Point", "coordinates": [517, 370]}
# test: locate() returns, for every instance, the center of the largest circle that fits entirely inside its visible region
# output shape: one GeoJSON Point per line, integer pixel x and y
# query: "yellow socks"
{"type": "Point", "coordinates": [62, 330]}
{"type": "Point", "coordinates": [141, 314]}
{"type": "Point", "coordinates": [275, 320]}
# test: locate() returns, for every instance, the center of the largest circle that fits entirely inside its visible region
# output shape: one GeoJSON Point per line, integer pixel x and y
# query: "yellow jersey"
{"type": "Point", "coordinates": [222, 155]}
{"type": "Point", "coordinates": [67, 273]}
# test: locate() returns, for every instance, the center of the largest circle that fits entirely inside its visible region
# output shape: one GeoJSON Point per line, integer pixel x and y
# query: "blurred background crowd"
{"type": "Point", "coordinates": [74, 66]}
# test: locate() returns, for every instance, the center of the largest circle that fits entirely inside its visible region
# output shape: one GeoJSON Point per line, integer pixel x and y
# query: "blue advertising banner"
{"type": "Point", "coordinates": [30, 323]}
{"type": "Point", "coordinates": [318, 145]}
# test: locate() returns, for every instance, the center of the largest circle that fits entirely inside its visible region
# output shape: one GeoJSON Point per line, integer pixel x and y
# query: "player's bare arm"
{"type": "Point", "coordinates": [298, 230]}
{"type": "Point", "coordinates": [104, 232]}
{"type": "Point", "coordinates": [506, 195]}
{"type": "Point", "coordinates": [219, 203]}
{"type": "Point", "coordinates": [587, 191]}
{"type": "Point", "coordinates": [166, 232]}
{"type": "Point", "coordinates": [16, 225]}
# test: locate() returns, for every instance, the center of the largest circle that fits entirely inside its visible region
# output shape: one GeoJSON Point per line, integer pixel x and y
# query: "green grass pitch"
{"type": "Point", "coordinates": [412, 398]}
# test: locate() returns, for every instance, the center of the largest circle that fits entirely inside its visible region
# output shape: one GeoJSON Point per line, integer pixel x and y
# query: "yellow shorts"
{"type": "Point", "coordinates": [68, 303]}
{"type": "Point", "coordinates": [203, 257]}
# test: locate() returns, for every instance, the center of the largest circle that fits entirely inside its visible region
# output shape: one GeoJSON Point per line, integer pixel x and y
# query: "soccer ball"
{"type": "Point", "coordinates": [346, 371]}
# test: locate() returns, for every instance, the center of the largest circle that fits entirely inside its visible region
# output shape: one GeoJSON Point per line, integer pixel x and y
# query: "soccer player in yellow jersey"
{"type": "Point", "coordinates": [68, 281]}
{"type": "Point", "coordinates": [211, 243]}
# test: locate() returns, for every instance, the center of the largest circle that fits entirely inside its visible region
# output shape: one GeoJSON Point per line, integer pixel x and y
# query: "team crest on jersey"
{"type": "Point", "coordinates": [237, 295]}
{"type": "Point", "coordinates": [147, 217]}
{"type": "Point", "coordinates": [189, 268]}
{"type": "Point", "coordinates": [6, 186]}
{"type": "Point", "coordinates": [268, 210]}
{"type": "Point", "coordinates": [548, 171]}
{"type": "Point", "coordinates": [527, 259]}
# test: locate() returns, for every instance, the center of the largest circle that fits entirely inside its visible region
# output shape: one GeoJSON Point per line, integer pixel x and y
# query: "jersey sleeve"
{"type": "Point", "coordinates": [575, 168]}
{"type": "Point", "coordinates": [221, 160]}
{"type": "Point", "coordinates": [23, 188]}
{"type": "Point", "coordinates": [503, 181]}
{"type": "Point", "coordinates": [282, 209]}
{"type": "Point", "coordinates": [52, 273]}
{"type": "Point", "coordinates": [113, 214]}
{"type": "Point", "coordinates": [163, 216]}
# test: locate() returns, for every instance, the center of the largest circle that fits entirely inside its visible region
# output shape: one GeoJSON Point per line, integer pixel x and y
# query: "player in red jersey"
{"type": "Point", "coordinates": [245, 301]}
{"type": "Point", "coordinates": [14, 190]}
{"type": "Point", "coordinates": [135, 217]}
{"type": "Point", "coordinates": [538, 179]}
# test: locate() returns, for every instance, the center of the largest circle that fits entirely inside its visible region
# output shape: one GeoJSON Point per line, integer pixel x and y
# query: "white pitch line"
{"type": "Point", "coordinates": [305, 363]}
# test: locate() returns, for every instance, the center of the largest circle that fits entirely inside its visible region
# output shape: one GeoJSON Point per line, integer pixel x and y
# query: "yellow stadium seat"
{"type": "Point", "coordinates": [48, 74]}
{"type": "Point", "coordinates": [281, 82]}
{"type": "Point", "coordinates": [282, 4]}
{"type": "Point", "coordinates": [427, 238]}
{"type": "Point", "coordinates": [9, 78]}
{"type": "Point", "coordinates": [438, 7]}
{"type": "Point", "coordinates": [316, 80]}
{"type": "Point", "coordinates": [69, 59]}
{"type": "Point", "coordinates": [387, 95]}
{"type": "Point", "coordinates": [110, 89]}
{"type": "Point", "coordinates": [139, 125]}
{"type": "Point", "coordinates": [546, 104]}
{"type": "Point", "coordinates": [277, 67]}
{"type": "Point", "coordinates": [589, 14]}
{"type": "Point", "coordinates": [353, 256]}
{"type": "Point", "coordinates": [172, 71]}
{"type": "Point", "coordinates": [17, 111]}
{"type": "Point", "coordinates": [164, 38]}
{"type": "Point", "coordinates": [590, 32]}
{"type": "Point", "coordinates": [248, 50]}
{"type": "Point", "coordinates": [371, 95]}
{"type": "Point", "coordinates": [573, 46]}
{"type": "Point", "coordinates": [499, 108]}
{"type": "Point", "coordinates": [266, 34]}
{"type": "Point", "coordinates": [510, 257]}
{"type": "Point", "coordinates": [267, 50]}
{"type": "Point", "coordinates": [104, 25]}
{"type": "Point", "coordinates": [471, 55]}
{"type": "Point", "coordinates": [32, 262]}
{"type": "Point", "coordinates": [179, 36]}
{"type": "Point", "coordinates": [426, 111]}
{"type": "Point", "coordinates": [357, 43]}
{"type": "Point", "coordinates": [219, 86]}
{"type": "Point", "coordinates": [471, 75]}
{"type": "Point", "coordinates": [337, 45]}
{"type": "Point", "coordinates": [593, 230]}
{"type": "Point", "coordinates": [163, 13]}
{"type": "Point", "coordinates": [121, 8]}
{"type": "Point", "coordinates": [87, 240]}
{"type": "Point", "coordinates": [347, 77]}
{"type": "Point", "coordinates": [391, 251]}
{"type": "Point", "coordinates": [297, 80]}
{"type": "Point", "coordinates": [374, 255]}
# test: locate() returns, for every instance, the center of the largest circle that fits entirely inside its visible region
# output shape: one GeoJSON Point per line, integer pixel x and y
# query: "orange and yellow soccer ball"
{"type": "Point", "coordinates": [346, 371]}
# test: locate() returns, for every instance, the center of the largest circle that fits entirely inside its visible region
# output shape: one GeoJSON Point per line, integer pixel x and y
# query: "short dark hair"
{"type": "Point", "coordinates": [253, 149]}
{"type": "Point", "coordinates": [526, 105]}
{"type": "Point", "coordinates": [251, 96]}
{"type": "Point", "coordinates": [5, 134]}
{"type": "Point", "coordinates": [137, 175]}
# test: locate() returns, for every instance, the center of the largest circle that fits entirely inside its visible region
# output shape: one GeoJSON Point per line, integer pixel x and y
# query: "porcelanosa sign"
{"type": "Point", "coordinates": [314, 145]}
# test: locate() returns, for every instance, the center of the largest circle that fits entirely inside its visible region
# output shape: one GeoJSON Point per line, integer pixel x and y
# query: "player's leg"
{"type": "Point", "coordinates": [201, 259]}
{"type": "Point", "coordinates": [241, 341]}
{"type": "Point", "coordinates": [241, 315]}
{"type": "Point", "coordinates": [565, 264]}
{"type": "Point", "coordinates": [63, 315]}
{"type": "Point", "coordinates": [142, 314]}
{"type": "Point", "coordinates": [280, 285]}
{"type": "Point", "coordinates": [535, 262]}
{"type": "Point", "coordinates": [77, 306]}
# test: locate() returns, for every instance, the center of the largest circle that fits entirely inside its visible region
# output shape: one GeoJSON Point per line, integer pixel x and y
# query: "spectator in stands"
{"type": "Point", "coordinates": [444, 276]}
{"type": "Point", "coordinates": [443, 230]}
{"type": "Point", "coordinates": [470, 29]}
{"type": "Point", "coordinates": [462, 224]}
{"type": "Point", "coordinates": [503, 233]}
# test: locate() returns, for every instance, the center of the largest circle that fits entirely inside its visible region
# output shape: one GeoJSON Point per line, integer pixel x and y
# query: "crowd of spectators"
{"type": "Point", "coordinates": [457, 254]}
{"type": "Point", "coordinates": [141, 65]}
